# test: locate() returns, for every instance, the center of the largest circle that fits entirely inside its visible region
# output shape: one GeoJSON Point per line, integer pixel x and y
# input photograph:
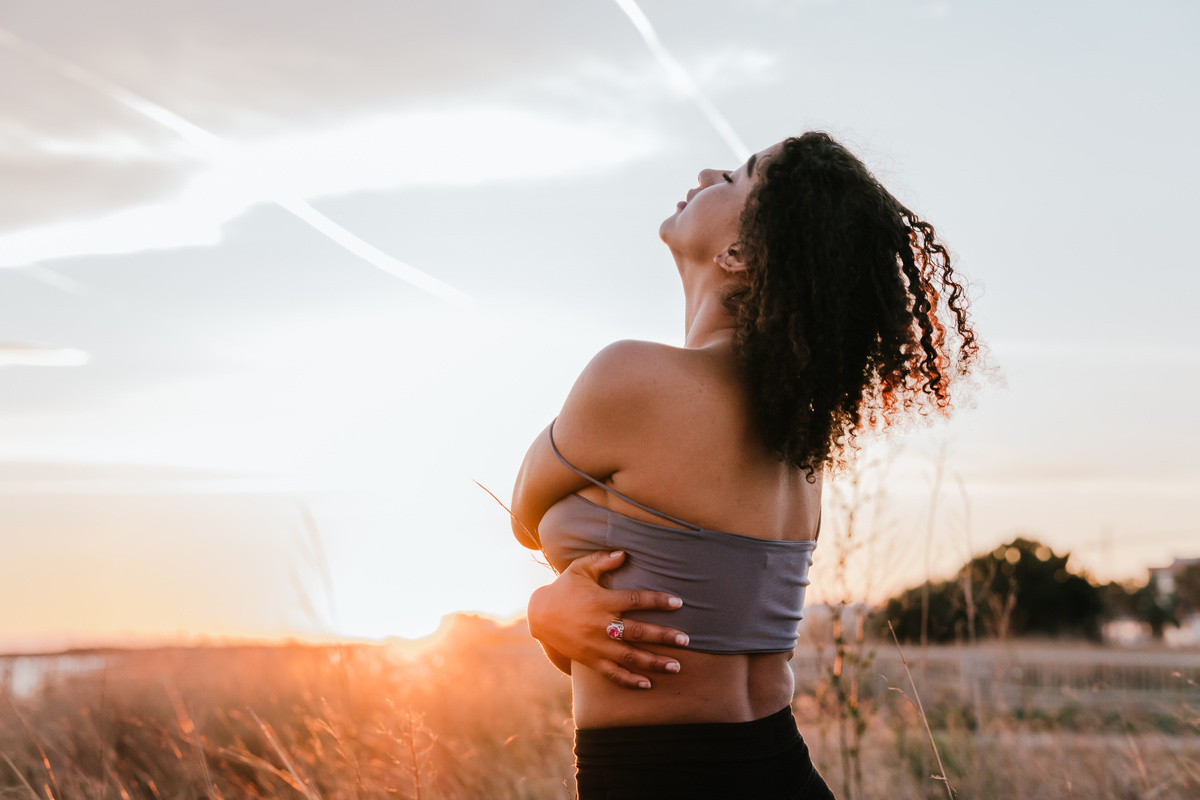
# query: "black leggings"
{"type": "Point", "coordinates": [765, 760]}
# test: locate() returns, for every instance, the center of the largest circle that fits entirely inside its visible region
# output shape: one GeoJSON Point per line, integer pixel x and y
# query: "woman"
{"type": "Point", "coordinates": [817, 306]}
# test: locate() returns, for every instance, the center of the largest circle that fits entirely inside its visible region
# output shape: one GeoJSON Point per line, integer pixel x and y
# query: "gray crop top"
{"type": "Point", "coordinates": [740, 594]}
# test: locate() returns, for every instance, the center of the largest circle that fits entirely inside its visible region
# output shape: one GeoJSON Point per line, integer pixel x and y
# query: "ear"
{"type": "Point", "coordinates": [731, 260]}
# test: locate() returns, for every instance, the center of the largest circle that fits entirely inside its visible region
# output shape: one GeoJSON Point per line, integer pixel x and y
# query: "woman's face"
{"type": "Point", "coordinates": [706, 223]}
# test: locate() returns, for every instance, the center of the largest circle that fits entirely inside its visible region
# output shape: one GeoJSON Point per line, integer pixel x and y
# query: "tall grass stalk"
{"type": "Point", "coordinates": [412, 751]}
{"type": "Point", "coordinates": [20, 776]}
{"type": "Point", "coordinates": [941, 776]}
{"type": "Point", "coordinates": [41, 752]}
{"type": "Point", "coordinates": [858, 502]}
{"type": "Point", "coordinates": [300, 784]}
{"type": "Point", "coordinates": [191, 736]}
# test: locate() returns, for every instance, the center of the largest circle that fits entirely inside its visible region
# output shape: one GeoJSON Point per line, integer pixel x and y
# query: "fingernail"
{"type": "Point", "coordinates": [674, 602]}
{"type": "Point", "coordinates": [616, 554]}
{"type": "Point", "coordinates": [644, 684]}
{"type": "Point", "coordinates": [673, 667]}
{"type": "Point", "coordinates": [681, 640]}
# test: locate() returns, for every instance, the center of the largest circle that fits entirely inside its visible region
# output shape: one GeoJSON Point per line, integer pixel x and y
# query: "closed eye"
{"type": "Point", "coordinates": [727, 176]}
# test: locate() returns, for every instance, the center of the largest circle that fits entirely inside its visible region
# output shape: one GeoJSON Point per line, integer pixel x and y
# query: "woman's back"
{"type": "Point", "coordinates": [700, 459]}
{"type": "Point", "coordinates": [703, 459]}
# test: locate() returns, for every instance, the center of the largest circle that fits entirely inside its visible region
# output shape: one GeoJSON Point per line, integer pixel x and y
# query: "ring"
{"type": "Point", "coordinates": [616, 629]}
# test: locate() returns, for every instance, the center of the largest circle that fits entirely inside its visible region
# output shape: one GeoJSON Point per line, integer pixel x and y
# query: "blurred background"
{"type": "Point", "coordinates": [220, 418]}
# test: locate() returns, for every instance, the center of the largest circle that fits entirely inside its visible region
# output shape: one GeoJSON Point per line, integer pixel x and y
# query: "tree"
{"type": "Point", "coordinates": [1020, 588]}
{"type": "Point", "coordinates": [1187, 589]}
{"type": "Point", "coordinates": [1149, 604]}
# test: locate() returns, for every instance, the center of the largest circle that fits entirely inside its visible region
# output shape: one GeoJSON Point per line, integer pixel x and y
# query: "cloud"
{"type": "Point", "coordinates": [40, 355]}
{"type": "Point", "coordinates": [437, 147]}
{"type": "Point", "coordinates": [311, 104]}
{"type": "Point", "coordinates": [448, 147]}
{"type": "Point", "coordinates": [314, 103]}
{"type": "Point", "coordinates": [193, 219]}
{"type": "Point", "coordinates": [257, 74]}
{"type": "Point", "coordinates": [253, 70]}
{"type": "Point", "coordinates": [62, 186]}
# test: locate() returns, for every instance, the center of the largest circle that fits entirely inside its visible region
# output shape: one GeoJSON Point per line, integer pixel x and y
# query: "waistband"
{"type": "Point", "coordinates": [689, 742]}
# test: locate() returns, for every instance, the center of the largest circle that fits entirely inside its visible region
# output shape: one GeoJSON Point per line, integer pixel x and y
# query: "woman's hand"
{"type": "Point", "coordinates": [569, 618]}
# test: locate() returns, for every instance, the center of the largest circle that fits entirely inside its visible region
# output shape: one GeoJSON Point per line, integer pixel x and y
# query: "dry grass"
{"type": "Point", "coordinates": [482, 715]}
{"type": "Point", "coordinates": [479, 715]}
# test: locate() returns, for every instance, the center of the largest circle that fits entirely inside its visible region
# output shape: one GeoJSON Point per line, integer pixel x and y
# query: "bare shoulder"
{"type": "Point", "coordinates": [639, 378]}
{"type": "Point", "coordinates": [635, 357]}
{"type": "Point", "coordinates": [624, 393]}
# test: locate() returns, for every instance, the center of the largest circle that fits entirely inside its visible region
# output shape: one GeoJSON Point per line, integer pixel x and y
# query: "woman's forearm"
{"type": "Point", "coordinates": [569, 618]}
{"type": "Point", "coordinates": [556, 658]}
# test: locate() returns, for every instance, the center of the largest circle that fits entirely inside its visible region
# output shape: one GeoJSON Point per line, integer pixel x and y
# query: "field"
{"type": "Point", "coordinates": [478, 713]}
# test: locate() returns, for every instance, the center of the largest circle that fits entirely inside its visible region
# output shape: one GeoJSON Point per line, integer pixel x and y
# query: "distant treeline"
{"type": "Point", "coordinates": [1024, 588]}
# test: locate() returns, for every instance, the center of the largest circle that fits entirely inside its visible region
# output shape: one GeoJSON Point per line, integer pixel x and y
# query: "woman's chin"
{"type": "Point", "coordinates": [667, 228]}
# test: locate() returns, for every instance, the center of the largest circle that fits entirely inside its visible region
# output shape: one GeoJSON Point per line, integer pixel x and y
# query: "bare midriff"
{"type": "Point", "coordinates": [707, 688]}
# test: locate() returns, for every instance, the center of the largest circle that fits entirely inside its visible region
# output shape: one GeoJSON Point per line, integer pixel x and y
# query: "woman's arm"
{"type": "Point", "coordinates": [569, 617]}
{"type": "Point", "coordinates": [607, 416]}
{"type": "Point", "coordinates": [541, 482]}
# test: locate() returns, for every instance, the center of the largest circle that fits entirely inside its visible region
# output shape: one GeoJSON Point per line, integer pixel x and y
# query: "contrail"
{"type": "Point", "coordinates": [220, 151]}
{"type": "Point", "coordinates": [45, 275]}
{"type": "Point", "coordinates": [685, 82]}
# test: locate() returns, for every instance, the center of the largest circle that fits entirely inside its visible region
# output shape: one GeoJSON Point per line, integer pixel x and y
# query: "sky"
{"type": "Point", "coordinates": [224, 414]}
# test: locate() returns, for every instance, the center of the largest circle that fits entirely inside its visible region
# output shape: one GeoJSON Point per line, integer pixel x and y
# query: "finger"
{"type": "Point", "coordinates": [593, 564]}
{"type": "Point", "coordinates": [655, 634]}
{"type": "Point", "coordinates": [639, 599]}
{"type": "Point", "coordinates": [621, 676]}
{"type": "Point", "coordinates": [635, 659]}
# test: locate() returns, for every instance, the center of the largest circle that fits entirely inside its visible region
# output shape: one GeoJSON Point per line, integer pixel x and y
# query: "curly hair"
{"type": "Point", "coordinates": [852, 316]}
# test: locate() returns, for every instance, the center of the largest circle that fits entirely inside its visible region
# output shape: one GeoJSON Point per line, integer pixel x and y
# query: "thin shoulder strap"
{"type": "Point", "coordinates": [608, 488]}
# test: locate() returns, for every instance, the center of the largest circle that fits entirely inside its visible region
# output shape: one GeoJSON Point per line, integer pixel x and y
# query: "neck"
{"type": "Point", "coordinates": [706, 319]}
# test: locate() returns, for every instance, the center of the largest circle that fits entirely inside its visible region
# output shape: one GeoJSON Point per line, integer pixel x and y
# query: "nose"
{"type": "Point", "coordinates": [708, 177]}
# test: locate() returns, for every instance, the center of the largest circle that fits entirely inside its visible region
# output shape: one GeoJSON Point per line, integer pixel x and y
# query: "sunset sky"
{"type": "Point", "coordinates": [216, 420]}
